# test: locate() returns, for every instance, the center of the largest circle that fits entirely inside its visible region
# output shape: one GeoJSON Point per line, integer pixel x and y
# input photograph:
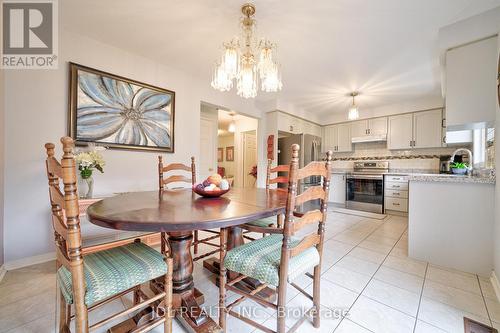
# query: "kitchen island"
{"type": "Point", "coordinates": [451, 220]}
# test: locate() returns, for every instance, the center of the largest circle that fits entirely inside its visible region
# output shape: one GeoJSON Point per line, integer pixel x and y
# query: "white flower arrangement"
{"type": "Point", "coordinates": [89, 160]}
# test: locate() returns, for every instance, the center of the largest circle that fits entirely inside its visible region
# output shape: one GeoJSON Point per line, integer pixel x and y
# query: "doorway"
{"type": "Point", "coordinates": [229, 147]}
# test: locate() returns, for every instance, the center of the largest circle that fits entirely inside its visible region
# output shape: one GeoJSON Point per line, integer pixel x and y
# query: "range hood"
{"type": "Point", "coordinates": [369, 138]}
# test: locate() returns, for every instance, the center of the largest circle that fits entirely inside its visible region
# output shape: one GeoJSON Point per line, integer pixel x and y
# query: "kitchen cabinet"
{"type": "Point", "coordinates": [294, 125]}
{"type": "Point", "coordinates": [396, 193]}
{"type": "Point", "coordinates": [377, 126]}
{"type": "Point", "coordinates": [370, 127]}
{"type": "Point", "coordinates": [400, 132]}
{"type": "Point", "coordinates": [337, 189]}
{"type": "Point", "coordinates": [359, 128]}
{"type": "Point", "coordinates": [416, 130]}
{"type": "Point", "coordinates": [428, 129]}
{"type": "Point", "coordinates": [471, 81]}
{"type": "Point", "coordinates": [337, 138]}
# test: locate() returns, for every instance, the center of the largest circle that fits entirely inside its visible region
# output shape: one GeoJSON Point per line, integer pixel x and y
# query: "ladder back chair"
{"type": "Point", "coordinates": [273, 177]}
{"type": "Point", "coordinates": [165, 180]}
{"type": "Point", "coordinates": [86, 282]}
{"type": "Point", "coordinates": [278, 259]}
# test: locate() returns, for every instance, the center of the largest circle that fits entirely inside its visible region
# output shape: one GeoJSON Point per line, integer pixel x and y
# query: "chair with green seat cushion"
{"type": "Point", "coordinates": [279, 179]}
{"type": "Point", "coordinates": [86, 281]}
{"type": "Point", "coordinates": [276, 260]}
{"type": "Point", "coordinates": [260, 259]}
{"type": "Point", "coordinates": [265, 222]}
{"type": "Point", "coordinates": [115, 270]}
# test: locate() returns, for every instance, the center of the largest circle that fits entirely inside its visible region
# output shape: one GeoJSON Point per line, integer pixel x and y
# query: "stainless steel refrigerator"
{"type": "Point", "coordinates": [310, 150]}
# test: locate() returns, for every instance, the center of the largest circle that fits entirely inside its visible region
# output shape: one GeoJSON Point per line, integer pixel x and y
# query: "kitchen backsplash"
{"type": "Point", "coordinates": [427, 159]}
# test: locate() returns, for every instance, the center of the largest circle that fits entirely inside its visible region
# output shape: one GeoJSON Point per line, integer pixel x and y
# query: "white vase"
{"type": "Point", "coordinates": [85, 187]}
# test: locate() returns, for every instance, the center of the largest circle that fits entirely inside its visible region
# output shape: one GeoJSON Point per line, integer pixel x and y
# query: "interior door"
{"type": "Point", "coordinates": [249, 158]}
{"type": "Point", "coordinates": [428, 129]}
{"type": "Point", "coordinates": [208, 148]}
{"type": "Point", "coordinates": [400, 132]}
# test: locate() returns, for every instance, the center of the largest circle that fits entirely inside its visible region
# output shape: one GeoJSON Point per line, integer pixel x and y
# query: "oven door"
{"type": "Point", "coordinates": [366, 193]}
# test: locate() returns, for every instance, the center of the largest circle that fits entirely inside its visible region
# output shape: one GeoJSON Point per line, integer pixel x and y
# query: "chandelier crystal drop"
{"type": "Point", "coordinates": [248, 62]}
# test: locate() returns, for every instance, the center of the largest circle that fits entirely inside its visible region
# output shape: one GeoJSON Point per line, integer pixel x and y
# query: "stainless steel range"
{"type": "Point", "coordinates": [365, 186]}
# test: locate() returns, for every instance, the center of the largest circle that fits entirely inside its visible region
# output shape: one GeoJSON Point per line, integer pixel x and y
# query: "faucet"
{"type": "Point", "coordinates": [469, 168]}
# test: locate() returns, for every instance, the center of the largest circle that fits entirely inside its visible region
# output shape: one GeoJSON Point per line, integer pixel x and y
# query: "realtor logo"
{"type": "Point", "coordinates": [29, 39]}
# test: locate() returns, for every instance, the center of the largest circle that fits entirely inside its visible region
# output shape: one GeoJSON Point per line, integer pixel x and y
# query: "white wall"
{"type": "Point", "coordinates": [36, 112]}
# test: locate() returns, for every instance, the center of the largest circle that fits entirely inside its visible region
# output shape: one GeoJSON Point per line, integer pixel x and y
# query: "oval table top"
{"type": "Point", "coordinates": [184, 210]}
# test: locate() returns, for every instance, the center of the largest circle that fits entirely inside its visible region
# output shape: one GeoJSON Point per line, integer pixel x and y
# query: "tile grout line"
{"type": "Point", "coordinates": [421, 295]}
{"type": "Point", "coordinates": [371, 278]}
{"type": "Point", "coordinates": [484, 301]}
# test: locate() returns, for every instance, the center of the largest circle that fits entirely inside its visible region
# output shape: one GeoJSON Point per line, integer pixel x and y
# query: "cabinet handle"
{"type": "Point", "coordinates": [396, 178]}
{"type": "Point", "coordinates": [396, 186]}
{"type": "Point", "coordinates": [369, 131]}
{"type": "Point", "coordinates": [395, 193]}
{"type": "Point", "coordinates": [410, 143]}
{"type": "Point", "coordinates": [291, 128]}
{"type": "Point", "coordinates": [395, 204]}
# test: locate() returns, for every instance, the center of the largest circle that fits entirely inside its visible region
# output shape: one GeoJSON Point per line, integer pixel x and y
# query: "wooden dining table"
{"type": "Point", "coordinates": [178, 213]}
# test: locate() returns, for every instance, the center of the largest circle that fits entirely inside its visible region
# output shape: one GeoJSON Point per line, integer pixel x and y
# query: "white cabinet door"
{"type": "Point", "coordinates": [359, 128]}
{"type": "Point", "coordinates": [377, 126]}
{"type": "Point", "coordinates": [337, 189]}
{"type": "Point", "coordinates": [316, 130]}
{"type": "Point", "coordinates": [329, 138]}
{"type": "Point", "coordinates": [285, 123]}
{"type": "Point", "coordinates": [400, 132]}
{"type": "Point", "coordinates": [471, 94]}
{"type": "Point", "coordinates": [427, 129]}
{"type": "Point", "coordinates": [344, 142]}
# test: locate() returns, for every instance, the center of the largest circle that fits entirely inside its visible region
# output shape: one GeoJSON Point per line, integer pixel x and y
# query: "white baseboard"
{"type": "Point", "coordinates": [496, 284]}
{"type": "Point", "coordinates": [2, 272]}
{"type": "Point", "coordinates": [20, 263]}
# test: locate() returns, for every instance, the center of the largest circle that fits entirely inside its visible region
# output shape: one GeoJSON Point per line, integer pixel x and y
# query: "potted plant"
{"type": "Point", "coordinates": [87, 161]}
{"type": "Point", "coordinates": [459, 168]}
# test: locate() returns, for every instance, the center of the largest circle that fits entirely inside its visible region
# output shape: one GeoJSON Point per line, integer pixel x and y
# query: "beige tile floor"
{"type": "Point", "coordinates": [366, 272]}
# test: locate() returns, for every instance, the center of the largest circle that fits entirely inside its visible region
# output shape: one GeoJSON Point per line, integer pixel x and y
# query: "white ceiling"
{"type": "Point", "coordinates": [386, 49]}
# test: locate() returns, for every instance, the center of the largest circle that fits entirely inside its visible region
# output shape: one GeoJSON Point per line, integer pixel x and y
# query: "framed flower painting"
{"type": "Point", "coordinates": [117, 112]}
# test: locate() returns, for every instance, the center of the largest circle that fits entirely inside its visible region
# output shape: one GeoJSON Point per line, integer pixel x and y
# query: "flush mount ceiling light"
{"type": "Point", "coordinates": [353, 110]}
{"type": "Point", "coordinates": [247, 61]}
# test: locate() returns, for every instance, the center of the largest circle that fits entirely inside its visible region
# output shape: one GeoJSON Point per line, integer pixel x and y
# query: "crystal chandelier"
{"type": "Point", "coordinates": [353, 110]}
{"type": "Point", "coordinates": [247, 62]}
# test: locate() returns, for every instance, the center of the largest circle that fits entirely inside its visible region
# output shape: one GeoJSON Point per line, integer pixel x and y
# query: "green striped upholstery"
{"type": "Point", "coordinates": [115, 270]}
{"type": "Point", "coordinates": [265, 222]}
{"type": "Point", "coordinates": [260, 259]}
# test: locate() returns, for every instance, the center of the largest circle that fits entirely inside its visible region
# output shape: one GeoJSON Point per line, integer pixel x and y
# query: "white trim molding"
{"type": "Point", "coordinates": [496, 284]}
{"type": "Point", "coordinates": [2, 272]}
{"type": "Point", "coordinates": [23, 262]}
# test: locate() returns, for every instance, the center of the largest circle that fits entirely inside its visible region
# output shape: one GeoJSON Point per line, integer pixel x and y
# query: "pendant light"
{"type": "Point", "coordinates": [232, 124]}
{"type": "Point", "coordinates": [353, 110]}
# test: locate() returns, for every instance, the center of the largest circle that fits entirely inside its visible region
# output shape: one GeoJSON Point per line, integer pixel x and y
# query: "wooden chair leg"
{"type": "Point", "coordinates": [222, 279]}
{"type": "Point", "coordinates": [281, 308]}
{"type": "Point", "coordinates": [196, 242]}
{"type": "Point", "coordinates": [169, 312]}
{"type": "Point", "coordinates": [316, 296]}
{"type": "Point", "coordinates": [63, 315]}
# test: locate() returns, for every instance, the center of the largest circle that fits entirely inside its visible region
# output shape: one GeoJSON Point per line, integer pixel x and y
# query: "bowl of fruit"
{"type": "Point", "coordinates": [212, 187]}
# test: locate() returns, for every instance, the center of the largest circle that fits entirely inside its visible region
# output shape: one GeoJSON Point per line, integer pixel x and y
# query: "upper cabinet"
{"type": "Point", "coordinates": [290, 124]}
{"type": "Point", "coordinates": [416, 130]}
{"type": "Point", "coordinates": [337, 138]}
{"type": "Point", "coordinates": [471, 74]}
{"type": "Point", "coordinates": [363, 130]}
{"type": "Point", "coordinates": [400, 134]}
{"type": "Point", "coordinates": [428, 129]}
{"type": "Point", "coordinates": [377, 126]}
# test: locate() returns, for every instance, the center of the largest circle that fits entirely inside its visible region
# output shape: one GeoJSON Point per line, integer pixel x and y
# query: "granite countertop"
{"type": "Point", "coordinates": [478, 179]}
{"type": "Point", "coordinates": [422, 175]}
